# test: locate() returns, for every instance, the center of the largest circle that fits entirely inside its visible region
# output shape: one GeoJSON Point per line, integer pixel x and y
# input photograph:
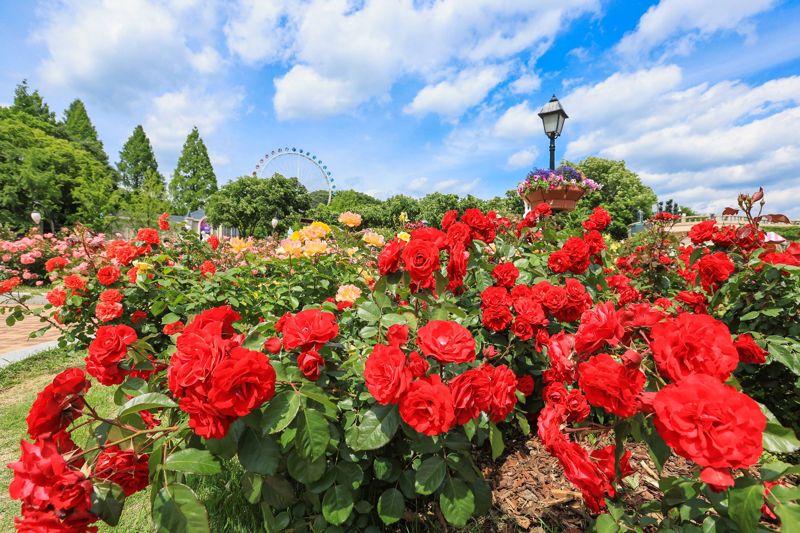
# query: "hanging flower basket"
{"type": "Point", "coordinates": [561, 188]}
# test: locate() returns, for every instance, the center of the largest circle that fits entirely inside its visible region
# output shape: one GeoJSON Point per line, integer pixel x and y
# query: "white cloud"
{"type": "Point", "coordinates": [207, 60]}
{"type": "Point", "coordinates": [455, 186]}
{"type": "Point", "coordinates": [522, 158]}
{"type": "Point", "coordinates": [418, 184]}
{"type": "Point", "coordinates": [681, 23]}
{"type": "Point", "coordinates": [360, 50]}
{"type": "Point", "coordinates": [527, 83]}
{"type": "Point", "coordinates": [701, 145]}
{"type": "Point", "coordinates": [451, 98]}
{"type": "Point", "coordinates": [518, 121]}
{"type": "Point", "coordinates": [174, 114]}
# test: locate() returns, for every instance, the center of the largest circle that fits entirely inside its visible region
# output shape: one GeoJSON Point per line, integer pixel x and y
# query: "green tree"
{"type": "Point", "coordinates": [147, 202]}
{"type": "Point", "coordinates": [32, 103]}
{"type": "Point", "coordinates": [249, 203]}
{"type": "Point", "coordinates": [510, 204]}
{"type": "Point", "coordinates": [193, 181]}
{"type": "Point", "coordinates": [433, 206]}
{"type": "Point", "coordinates": [135, 159]}
{"type": "Point", "coordinates": [400, 203]}
{"type": "Point", "coordinates": [319, 197]}
{"type": "Point", "coordinates": [80, 129]}
{"type": "Point", "coordinates": [623, 194]}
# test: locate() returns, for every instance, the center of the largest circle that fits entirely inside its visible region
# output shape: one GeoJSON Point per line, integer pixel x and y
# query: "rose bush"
{"type": "Point", "coordinates": [355, 391]}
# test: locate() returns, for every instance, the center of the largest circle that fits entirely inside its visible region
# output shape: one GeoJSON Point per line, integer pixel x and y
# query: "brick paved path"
{"type": "Point", "coordinates": [16, 337]}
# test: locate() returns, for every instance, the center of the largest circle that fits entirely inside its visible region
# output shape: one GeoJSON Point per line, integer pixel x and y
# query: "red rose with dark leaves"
{"type": "Point", "coordinates": [702, 231]}
{"type": "Point", "coordinates": [126, 468]}
{"type": "Point", "coordinates": [471, 392]}
{"type": "Point", "coordinates": [397, 335]}
{"type": "Point", "coordinates": [57, 297]}
{"type": "Point", "coordinates": [611, 385]}
{"type": "Point", "coordinates": [525, 384]}
{"type": "Point", "coordinates": [208, 268]}
{"type": "Point", "coordinates": [693, 344]}
{"type": "Point", "coordinates": [505, 275]}
{"type": "Point", "coordinates": [58, 404]}
{"type": "Point", "coordinates": [714, 269]}
{"type": "Point", "coordinates": [309, 329]}
{"type": "Point", "coordinates": [108, 275]}
{"type": "Point", "coordinates": [109, 346]}
{"type": "Point", "coordinates": [446, 341]}
{"type": "Point", "coordinates": [599, 327]}
{"type": "Point", "coordinates": [559, 262]}
{"type": "Point", "coordinates": [241, 382]}
{"type": "Point", "coordinates": [578, 408]}
{"type": "Point", "coordinates": [273, 345]}
{"type": "Point", "coordinates": [436, 236]}
{"type": "Point", "coordinates": [459, 233]}
{"type": "Point", "coordinates": [482, 226]}
{"type": "Point", "coordinates": [213, 241]}
{"type": "Point", "coordinates": [427, 406]}
{"type": "Point", "coordinates": [311, 364]}
{"type": "Point", "coordinates": [749, 351]}
{"type": "Point", "coordinates": [417, 364]}
{"type": "Point", "coordinates": [449, 218]}
{"type": "Point", "coordinates": [598, 220]}
{"type": "Point", "coordinates": [386, 374]}
{"type": "Point", "coordinates": [55, 263]}
{"type": "Point", "coordinates": [503, 392]}
{"type": "Point", "coordinates": [217, 321]}
{"type": "Point", "coordinates": [389, 258]}
{"type": "Point", "coordinates": [148, 236]}
{"type": "Point", "coordinates": [420, 259]}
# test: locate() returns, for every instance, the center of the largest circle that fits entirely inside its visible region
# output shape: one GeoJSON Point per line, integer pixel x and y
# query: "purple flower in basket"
{"type": "Point", "coordinates": [564, 175]}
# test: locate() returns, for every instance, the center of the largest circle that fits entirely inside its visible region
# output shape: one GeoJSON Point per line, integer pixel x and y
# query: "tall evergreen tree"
{"type": "Point", "coordinates": [32, 103]}
{"type": "Point", "coordinates": [194, 180]}
{"type": "Point", "coordinates": [79, 127]}
{"type": "Point", "coordinates": [135, 159]}
{"type": "Point", "coordinates": [148, 201]}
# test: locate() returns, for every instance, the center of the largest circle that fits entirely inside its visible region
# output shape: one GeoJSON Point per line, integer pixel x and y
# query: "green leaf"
{"type": "Point", "coordinates": [749, 316]}
{"type": "Point", "coordinates": [776, 469]}
{"type": "Point", "coordinates": [107, 501]}
{"type": "Point", "coordinates": [176, 509]}
{"type": "Point", "coordinates": [349, 475]}
{"type": "Point", "coordinates": [304, 470]}
{"type": "Point", "coordinates": [483, 497]}
{"type": "Point", "coordinates": [457, 502]}
{"type": "Point", "coordinates": [430, 475]}
{"type": "Point", "coordinates": [605, 523]}
{"type": "Point", "coordinates": [391, 506]}
{"type": "Point", "coordinates": [369, 312]}
{"type": "Point", "coordinates": [257, 453]}
{"type": "Point", "coordinates": [496, 441]}
{"type": "Point", "coordinates": [251, 487]}
{"type": "Point", "coordinates": [337, 505]}
{"type": "Point", "coordinates": [150, 400]}
{"type": "Point", "coordinates": [278, 492]}
{"type": "Point", "coordinates": [378, 425]}
{"type": "Point", "coordinates": [313, 434]}
{"type": "Point", "coordinates": [280, 411]}
{"type": "Point", "coordinates": [313, 392]}
{"type": "Point", "coordinates": [192, 461]}
{"type": "Point", "coordinates": [779, 439]}
{"type": "Point", "coordinates": [744, 504]}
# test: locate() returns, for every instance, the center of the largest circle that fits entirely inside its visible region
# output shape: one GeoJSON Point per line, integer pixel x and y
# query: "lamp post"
{"type": "Point", "coordinates": [553, 117]}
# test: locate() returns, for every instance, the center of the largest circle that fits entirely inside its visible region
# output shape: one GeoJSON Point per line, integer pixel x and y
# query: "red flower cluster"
{"type": "Point", "coordinates": [58, 404]}
{"type": "Point", "coordinates": [598, 220]}
{"type": "Point", "coordinates": [714, 269]}
{"type": "Point", "coordinates": [106, 352]}
{"type": "Point", "coordinates": [8, 285]}
{"type": "Point", "coordinates": [215, 378]}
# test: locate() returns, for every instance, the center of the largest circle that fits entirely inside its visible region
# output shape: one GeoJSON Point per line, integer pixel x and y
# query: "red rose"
{"type": "Point", "coordinates": [702, 231]}
{"type": "Point", "coordinates": [309, 329]}
{"type": "Point", "coordinates": [449, 218]}
{"type": "Point", "coordinates": [578, 252]}
{"type": "Point", "coordinates": [482, 226]}
{"type": "Point", "coordinates": [213, 241]}
{"type": "Point", "coordinates": [436, 236]}
{"type": "Point", "coordinates": [148, 236]}
{"type": "Point", "coordinates": [496, 318]}
{"type": "Point", "coordinates": [427, 406]}
{"type": "Point", "coordinates": [714, 269]}
{"type": "Point", "coordinates": [111, 296]}
{"type": "Point", "coordinates": [39, 466]}
{"type": "Point", "coordinates": [273, 345]}
{"type": "Point", "coordinates": [611, 385]}
{"type": "Point", "coordinates": [525, 385]}
{"type": "Point", "coordinates": [555, 393]}
{"type": "Point", "coordinates": [106, 312]}
{"type": "Point", "coordinates": [695, 301]}
{"type": "Point", "coordinates": [693, 344]}
{"type": "Point", "coordinates": [71, 491]}
{"type": "Point", "coordinates": [74, 282]}
{"type": "Point", "coordinates": [555, 299]}
{"type": "Point", "coordinates": [595, 242]}
{"type": "Point", "coordinates": [599, 327]}
{"type": "Point", "coordinates": [578, 408]}
{"type": "Point", "coordinates": [471, 392]}
{"type": "Point", "coordinates": [559, 350]}
{"type": "Point", "coordinates": [503, 392]}
{"type": "Point", "coordinates": [397, 335]}
{"type": "Point", "coordinates": [310, 364]}
{"type": "Point", "coordinates": [446, 341]}
{"type": "Point", "coordinates": [749, 351]}
{"type": "Point", "coordinates": [108, 275]}
{"type": "Point", "coordinates": [208, 268]}
{"type": "Point", "coordinates": [241, 382]}
{"type": "Point", "coordinates": [58, 404]}
{"type": "Point", "coordinates": [505, 274]}
{"type": "Point", "coordinates": [57, 297]}
{"type": "Point", "coordinates": [173, 327]}
{"type": "Point", "coordinates": [605, 459]}
{"type": "Point", "coordinates": [163, 221]}
{"type": "Point", "coordinates": [386, 374]}
{"type": "Point", "coordinates": [457, 267]}
{"type": "Point", "coordinates": [421, 259]}
{"type": "Point", "coordinates": [109, 346]}
{"type": "Point", "coordinates": [417, 364]}
{"type": "Point", "coordinates": [598, 220]}
{"type": "Point", "coordinates": [123, 467]}
{"type": "Point", "coordinates": [197, 354]}
{"type": "Point", "coordinates": [459, 233]}
{"type": "Point", "coordinates": [495, 297]}
{"type": "Point", "coordinates": [204, 418]}
{"type": "Point", "coordinates": [55, 263]}
{"type": "Point", "coordinates": [389, 258]}
{"type": "Point", "coordinates": [710, 423]}
{"type": "Point", "coordinates": [559, 262]}
{"type": "Point", "coordinates": [138, 316]}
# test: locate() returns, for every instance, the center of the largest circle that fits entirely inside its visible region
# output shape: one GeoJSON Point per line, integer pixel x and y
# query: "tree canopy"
{"type": "Point", "coordinates": [32, 103]}
{"type": "Point", "coordinates": [80, 129]}
{"type": "Point", "coordinates": [135, 159]}
{"type": "Point", "coordinates": [249, 203]}
{"type": "Point", "coordinates": [193, 181]}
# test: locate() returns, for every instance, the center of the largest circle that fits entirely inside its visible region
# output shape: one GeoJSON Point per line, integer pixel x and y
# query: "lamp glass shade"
{"type": "Point", "coordinates": [36, 217]}
{"type": "Point", "coordinates": [553, 117]}
{"type": "Point", "coordinates": [274, 223]}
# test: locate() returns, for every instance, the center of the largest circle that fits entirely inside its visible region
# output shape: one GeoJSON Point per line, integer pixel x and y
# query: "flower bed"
{"type": "Point", "coordinates": [356, 391]}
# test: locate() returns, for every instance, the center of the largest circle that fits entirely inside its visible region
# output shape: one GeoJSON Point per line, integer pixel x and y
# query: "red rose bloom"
{"type": "Point", "coordinates": [397, 335]}
{"type": "Point", "coordinates": [578, 252]}
{"type": "Point", "coordinates": [217, 321]}
{"type": "Point", "coordinates": [559, 262]}
{"type": "Point", "coordinates": [693, 344]}
{"type": "Point", "coordinates": [421, 259]}
{"type": "Point", "coordinates": [459, 233]}
{"type": "Point", "coordinates": [310, 364]}
{"type": "Point", "coordinates": [208, 268]}
{"type": "Point", "coordinates": [503, 392]}
{"type": "Point", "coordinates": [109, 346]}
{"type": "Point", "coordinates": [482, 226]}
{"type": "Point", "coordinates": [389, 258]}
{"type": "Point", "coordinates": [457, 267]}
{"type": "Point", "coordinates": [495, 297]}
{"type": "Point", "coordinates": [578, 408]}
{"type": "Point", "coordinates": [595, 242]}
{"type": "Point", "coordinates": [173, 327]}
{"type": "Point", "coordinates": [611, 385]}
{"type": "Point", "coordinates": [55, 263]}
{"type": "Point", "coordinates": [555, 393]}
{"type": "Point", "coordinates": [386, 374]}
{"type": "Point", "coordinates": [138, 316]}
{"type": "Point", "coordinates": [598, 220]}
{"type": "Point", "coordinates": [58, 404]}
{"type": "Point", "coordinates": [273, 345]}
{"type": "Point", "coordinates": [559, 350]}
{"type": "Point", "coordinates": [241, 382]}
{"type": "Point", "coordinates": [123, 467]}
{"type": "Point", "coordinates": [107, 311]}
{"type": "Point", "coordinates": [598, 327]}
{"type": "Point", "coordinates": [148, 236]}
{"type": "Point", "coordinates": [525, 385]}
{"type": "Point", "coordinates": [505, 275]}
{"type": "Point", "coordinates": [111, 296]}
{"type": "Point", "coordinates": [417, 364]}
{"type": "Point", "coordinates": [163, 221]}
{"type": "Point", "coordinates": [39, 466]}
{"type": "Point", "coordinates": [309, 329]}
{"type": "Point", "coordinates": [108, 275]}
{"type": "Point", "coordinates": [446, 341]}
{"type": "Point", "coordinates": [471, 392]}
{"type": "Point", "coordinates": [436, 236]}
{"type": "Point", "coordinates": [213, 241]}
{"type": "Point", "coordinates": [714, 269]}
{"type": "Point", "coordinates": [57, 297]}
{"type": "Point", "coordinates": [702, 231]}
{"type": "Point", "coordinates": [449, 218]}
{"type": "Point", "coordinates": [749, 351]}
{"type": "Point", "coordinates": [710, 423]}
{"type": "Point", "coordinates": [74, 282]}
{"type": "Point", "coordinates": [427, 406]}
{"type": "Point", "coordinates": [695, 301]}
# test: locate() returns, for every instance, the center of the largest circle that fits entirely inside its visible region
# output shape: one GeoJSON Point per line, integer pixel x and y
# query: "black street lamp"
{"type": "Point", "coordinates": [553, 117]}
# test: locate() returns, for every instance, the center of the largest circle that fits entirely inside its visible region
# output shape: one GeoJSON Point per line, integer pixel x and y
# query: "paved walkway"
{"type": "Point", "coordinates": [15, 344]}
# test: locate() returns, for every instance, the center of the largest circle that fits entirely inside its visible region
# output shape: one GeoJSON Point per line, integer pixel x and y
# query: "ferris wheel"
{"type": "Point", "coordinates": [309, 169]}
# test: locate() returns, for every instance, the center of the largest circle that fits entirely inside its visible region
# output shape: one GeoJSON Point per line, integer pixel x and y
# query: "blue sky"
{"type": "Point", "coordinates": [401, 96]}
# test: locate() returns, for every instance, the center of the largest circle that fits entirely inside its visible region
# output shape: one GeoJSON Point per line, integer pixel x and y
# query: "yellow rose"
{"type": "Point", "coordinates": [315, 247]}
{"type": "Point", "coordinates": [142, 266]}
{"type": "Point", "coordinates": [403, 236]}
{"type": "Point", "coordinates": [239, 245]}
{"type": "Point", "coordinates": [373, 239]}
{"type": "Point", "coordinates": [348, 293]}
{"type": "Point", "coordinates": [349, 219]}
{"type": "Point", "coordinates": [291, 248]}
